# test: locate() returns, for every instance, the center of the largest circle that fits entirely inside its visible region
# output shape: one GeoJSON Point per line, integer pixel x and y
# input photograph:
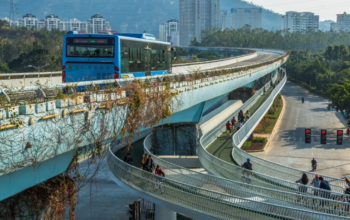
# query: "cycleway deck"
{"type": "Point", "coordinates": [222, 145]}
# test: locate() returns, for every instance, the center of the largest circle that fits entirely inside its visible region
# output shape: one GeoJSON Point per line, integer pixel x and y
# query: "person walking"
{"type": "Point", "coordinates": [316, 183]}
{"type": "Point", "coordinates": [144, 159]}
{"type": "Point", "coordinates": [228, 127]}
{"type": "Point", "coordinates": [128, 159]}
{"type": "Point", "coordinates": [325, 185]}
{"type": "Point", "coordinates": [304, 181]}
{"type": "Point", "coordinates": [233, 122]}
{"type": "Point", "coordinates": [247, 115]}
{"type": "Point", "coordinates": [239, 125]}
{"type": "Point", "coordinates": [149, 164]}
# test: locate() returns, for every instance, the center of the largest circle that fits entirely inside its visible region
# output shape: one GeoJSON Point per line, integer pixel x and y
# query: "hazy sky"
{"type": "Point", "coordinates": [326, 9]}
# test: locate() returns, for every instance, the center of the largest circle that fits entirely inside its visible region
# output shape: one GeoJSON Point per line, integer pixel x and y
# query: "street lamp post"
{"type": "Point", "coordinates": [38, 68]}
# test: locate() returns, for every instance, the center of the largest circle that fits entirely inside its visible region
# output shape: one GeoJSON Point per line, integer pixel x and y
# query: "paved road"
{"type": "Point", "coordinates": [262, 57]}
{"type": "Point", "coordinates": [288, 144]}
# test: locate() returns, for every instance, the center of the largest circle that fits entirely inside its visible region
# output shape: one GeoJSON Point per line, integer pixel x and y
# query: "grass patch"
{"type": "Point", "coordinates": [269, 121]}
{"type": "Point", "coordinates": [247, 144]}
{"type": "Point", "coordinates": [259, 140]}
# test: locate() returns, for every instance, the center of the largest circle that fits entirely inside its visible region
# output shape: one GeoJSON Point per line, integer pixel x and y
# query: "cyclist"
{"type": "Point", "coordinates": [246, 171]}
{"type": "Point", "coordinates": [128, 159]}
{"type": "Point", "coordinates": [159, 171]}
{"type": "Point", "coordinates": [144, 159]}
{"type": "Point", "coordinates": [159, 174]}
{"type": "Point", "coordinates": [313, 164]}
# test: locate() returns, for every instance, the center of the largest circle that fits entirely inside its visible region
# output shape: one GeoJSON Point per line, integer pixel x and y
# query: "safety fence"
{"type": "Point", "coordinates": [212, 203]}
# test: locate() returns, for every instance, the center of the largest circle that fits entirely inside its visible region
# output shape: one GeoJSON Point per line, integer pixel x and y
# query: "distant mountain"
{"type": "Point", "coordinates": [325, 25]}
{"type": "Point", "coordinates": [123, 15]}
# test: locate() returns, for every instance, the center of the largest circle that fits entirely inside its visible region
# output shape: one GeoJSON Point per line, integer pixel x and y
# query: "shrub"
{"type": "Point", "coordinates": [247, 144]}
{"type": "Point", "coordinates": [271, 116]}
{"type": "Point", "coordinates": [265, 123]}
{"type": "Point", "coordinates": [272, 111]}
{"type": "Point", "coordinates": [259, 140]}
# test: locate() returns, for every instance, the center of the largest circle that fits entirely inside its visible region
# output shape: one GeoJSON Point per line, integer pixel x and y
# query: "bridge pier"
{"type": "Point", "coordinates": [162, 213]}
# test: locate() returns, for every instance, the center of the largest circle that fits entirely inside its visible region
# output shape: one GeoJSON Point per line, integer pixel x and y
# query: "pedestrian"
{"type": "Point", "coordinates": [128, 159]}
{"type": "Point", "coordinates": [348, 132]}
{"type": "Point", "coordinates": [247, 115]}
{"type": "Point", "coordinates": [325, 185]}
{"type": "Point", "coordinates": [239, 125]}
{"type": "Point", "coordinates": [149, 164]}
{"type": "Point", "coordinates": [233, 122]}
{"type": "Point", "coordinates": [228, 127]}
{"type": "Point", "coordinates": [347, 180]}
{"type": "Point", "coordinates": [304, 181]}
{"type": "Point", "coordinates": [316, 183]}
{"type": "Point", "coordinates": [144, 159]}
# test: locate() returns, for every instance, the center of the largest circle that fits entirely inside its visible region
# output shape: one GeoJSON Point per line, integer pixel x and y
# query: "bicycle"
{"type": "Point", "coordinates": [159, 184]}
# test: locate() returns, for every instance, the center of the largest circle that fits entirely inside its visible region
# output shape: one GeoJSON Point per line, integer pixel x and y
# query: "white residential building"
{"type": "Point", "coordinates": [241, 17]}
{"type": "Point", "coordinates": [170, 32]}
{"type": "Point", "coordinates": [94, 25]}
{"type": "Point", "coordinates": [300, 21]}
{"type": "Point", "coordinates": [196, 16]}
{"type": "Point", "coordinates": [342, 24]}
{"type": "Point", "coordinates": [223, 19]}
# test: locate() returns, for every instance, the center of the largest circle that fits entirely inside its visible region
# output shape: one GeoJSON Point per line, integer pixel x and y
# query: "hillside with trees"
{"type": "Point", "coordinates": [20, 47]}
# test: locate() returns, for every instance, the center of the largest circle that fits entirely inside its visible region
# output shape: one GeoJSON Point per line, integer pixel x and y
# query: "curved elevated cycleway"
{"type": "Point", "coordinates": [261, 195]}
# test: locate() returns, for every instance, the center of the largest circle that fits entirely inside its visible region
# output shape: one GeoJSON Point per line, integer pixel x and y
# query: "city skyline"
{"type": "Point", "coordinates": [325, 9]}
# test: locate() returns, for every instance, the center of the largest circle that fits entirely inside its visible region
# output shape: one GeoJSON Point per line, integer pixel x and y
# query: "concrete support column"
{"type": "Point", "coordinates": [164, 213]}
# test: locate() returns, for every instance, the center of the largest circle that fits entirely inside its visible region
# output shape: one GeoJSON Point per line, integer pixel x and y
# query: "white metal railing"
{"type": "Point", "coordinates": [268, 167]}
{"type": "Point", "coordinates": [282, 192]}
{"type": "Point", "coordinates": [209, 202]}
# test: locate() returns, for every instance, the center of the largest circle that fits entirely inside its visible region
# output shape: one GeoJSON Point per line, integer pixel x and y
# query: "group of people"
{"type": "Point", "coordinates": [147, 164]}
{"type": "Point", "coordinates": [230, 126]}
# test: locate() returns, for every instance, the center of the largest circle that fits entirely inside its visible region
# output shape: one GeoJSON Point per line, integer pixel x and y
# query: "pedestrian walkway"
{"type": "Point", "coordinates": [222, 146]}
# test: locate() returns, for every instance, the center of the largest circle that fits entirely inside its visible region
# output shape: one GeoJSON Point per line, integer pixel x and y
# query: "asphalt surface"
{"type": "Point", "coordinates": [262, 57]}
{"type": "Point", "coordinates": [288, 146]}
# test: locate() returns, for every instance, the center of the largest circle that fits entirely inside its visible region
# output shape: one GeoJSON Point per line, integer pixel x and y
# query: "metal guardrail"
{"type": "Point", "coordinates": [277, 195]}
{"type": "Point", "coordinates": [268, 167]}
{"type": "Point", "coordinates": [59, 73]}
{"type": "Point", "coordinates": [212, 203]}
{"type": "Point", "coordinates": [148, 78]}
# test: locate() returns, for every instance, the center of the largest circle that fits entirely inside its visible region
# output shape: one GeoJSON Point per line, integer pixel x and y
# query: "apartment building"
{"type": "Point", "coordinates": [95, 24]}
{"type": "Point", "coordinates": [300, 21]}
{"type": "Point", "coordinates": [342, 24]}
{"type": "Point", "coordinates": [241, 17]}
{"type": "Point", "coordinates": [195, 16]}
{"type": "Point", "coordinates": [223, 19]}
{"type": "Point", "coordinates": [170, 32]}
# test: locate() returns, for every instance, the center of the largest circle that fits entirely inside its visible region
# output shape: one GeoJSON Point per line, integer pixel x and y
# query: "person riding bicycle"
{"type": "Point", "coordinates": [159, 171]}
{"type": "Point", "coordinates": [302, 100]}
{"type": "Point", "coordinates": [128, 159]}
{"type": "Point", "coordinates": [313, 163]}
{"type": "Point", "coordinates": [149, 164]}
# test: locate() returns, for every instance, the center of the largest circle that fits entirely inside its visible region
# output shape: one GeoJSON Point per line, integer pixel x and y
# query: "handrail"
{"type": "Point", "coordinates": [209, 202]}
{"type": "Point", "coordinates": [269, 167]}
{"type": "Point", "coordinates": [152, 78]}
{"type": "Point", "coordinates": [236, 188]}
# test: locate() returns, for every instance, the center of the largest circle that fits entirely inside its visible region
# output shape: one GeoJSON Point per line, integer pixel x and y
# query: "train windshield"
{"type": "Point", "coordinates": [90, 47]}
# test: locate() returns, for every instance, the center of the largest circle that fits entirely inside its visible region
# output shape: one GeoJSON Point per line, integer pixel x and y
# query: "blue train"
{"type": "Point", "coordinates": [88, 57]}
